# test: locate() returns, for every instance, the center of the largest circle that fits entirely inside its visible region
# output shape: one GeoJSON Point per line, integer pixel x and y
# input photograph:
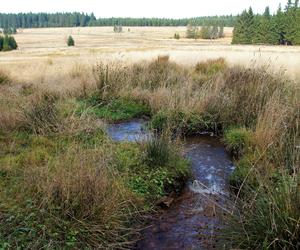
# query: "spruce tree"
{"type": "Point", "coordinates": [70, 41]}
{"type": "Point", "coordinates": [244, 29]}
{"type": "Point", "coordinates": [1, 42]}
{"type": "Point", "coordinates": [12, 43]}
{"type": "Point", "coordinates": [6, 44]}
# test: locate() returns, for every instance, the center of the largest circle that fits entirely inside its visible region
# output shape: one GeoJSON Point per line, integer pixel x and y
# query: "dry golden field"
{"type": "Point", "coordinates": [43, 56]}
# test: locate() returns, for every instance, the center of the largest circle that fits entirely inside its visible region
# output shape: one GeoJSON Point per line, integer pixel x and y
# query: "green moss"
{"type": "Point", "coordinates": [115, 110]}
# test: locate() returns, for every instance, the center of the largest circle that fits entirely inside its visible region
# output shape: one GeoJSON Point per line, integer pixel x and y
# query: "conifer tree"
{"type": "Point", "coordinates": [282, 28]}
{"type": "Point", "coordinates": [8, 43]}
{"type": "Point", "coordinates": [1, 42]}
{"type": "Point", "coordinates": [70, 41]}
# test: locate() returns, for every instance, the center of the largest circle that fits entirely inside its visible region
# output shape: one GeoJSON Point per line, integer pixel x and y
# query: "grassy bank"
{"type": "Point", "coordinates": [55, 155]}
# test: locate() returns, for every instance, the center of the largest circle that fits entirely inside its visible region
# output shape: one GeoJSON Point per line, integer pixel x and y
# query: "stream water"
{"type": "Point", "coordinates": [195, 216]}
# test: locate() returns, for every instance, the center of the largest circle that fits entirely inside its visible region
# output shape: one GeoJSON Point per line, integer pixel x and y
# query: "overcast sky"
{"type": "Point", "coordinates": [141, 8]}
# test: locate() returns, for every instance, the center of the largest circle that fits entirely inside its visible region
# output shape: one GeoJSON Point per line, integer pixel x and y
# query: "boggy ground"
{"type": "Point", "coordinates": [64, 183]}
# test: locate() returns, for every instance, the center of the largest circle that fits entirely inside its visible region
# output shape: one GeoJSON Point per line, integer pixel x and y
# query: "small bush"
{"type": "Point", "coordinates": [176, 36]}
{"type": "Point", "coordinates": [70, 41]}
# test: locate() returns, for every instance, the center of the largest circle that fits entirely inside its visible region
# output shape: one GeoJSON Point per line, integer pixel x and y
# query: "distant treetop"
{"type": "Point", "coordinates": [40, 20]}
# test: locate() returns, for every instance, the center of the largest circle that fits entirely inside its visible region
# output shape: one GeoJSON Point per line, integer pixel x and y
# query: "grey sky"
{"type": "Point", "coordinates": [141, 8]}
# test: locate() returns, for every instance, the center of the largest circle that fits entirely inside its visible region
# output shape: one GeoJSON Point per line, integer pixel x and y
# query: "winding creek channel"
{"type": "Point", "coordinates": [195, 216]}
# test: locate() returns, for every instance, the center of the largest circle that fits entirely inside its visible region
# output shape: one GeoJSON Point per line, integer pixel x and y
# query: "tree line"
{"type": "Point", "coordinates": [40, 20]}
{"type": "Point", "coordinates": [280, 28]}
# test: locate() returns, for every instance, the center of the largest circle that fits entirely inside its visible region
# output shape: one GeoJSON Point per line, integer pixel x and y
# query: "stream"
{"type": "Point", "coordinates": [195, 216]}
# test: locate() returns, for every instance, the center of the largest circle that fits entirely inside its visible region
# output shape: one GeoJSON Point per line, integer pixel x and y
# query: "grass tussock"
{"type": "Point", "coordinates": [65, 184]}
{"type": "Point", "coordinates": [4, 78]}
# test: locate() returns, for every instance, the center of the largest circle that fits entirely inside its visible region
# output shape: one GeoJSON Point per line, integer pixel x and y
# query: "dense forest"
{"type": "Point", "coordinates": [39, 20]}
{"type": "Point", "coordinates": [281, 28]}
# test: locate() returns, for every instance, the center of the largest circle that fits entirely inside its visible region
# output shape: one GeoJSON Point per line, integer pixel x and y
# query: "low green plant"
{"type": "Point", "coordinates": [117, 109]}
{"type": "Point", "coordinates": [237, 141]}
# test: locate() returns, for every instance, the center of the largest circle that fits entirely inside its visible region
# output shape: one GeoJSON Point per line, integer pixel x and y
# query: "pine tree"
{"type": "Point", "coordinates": [6, 44]}
{"type": "Point", "coordinates": [12, 43]}
{"type": "Point", "coordinates": [244, 29]}
{"type": "Point", "coordinates": [1, 42]}
{"type": "Point", "coordinates": [267, 14]}
{"type": "Point", "coordinates": [70, 41]}
{"type": "Point", "coordinates": [289, 5]}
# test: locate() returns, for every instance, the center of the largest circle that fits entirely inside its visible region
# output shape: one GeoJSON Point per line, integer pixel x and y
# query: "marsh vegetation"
{"type": "Point", "coordinates": [65, 183]}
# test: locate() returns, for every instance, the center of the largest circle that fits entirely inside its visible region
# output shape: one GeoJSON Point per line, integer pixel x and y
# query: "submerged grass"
{"type": "Point", "coordinates": [64, 183]}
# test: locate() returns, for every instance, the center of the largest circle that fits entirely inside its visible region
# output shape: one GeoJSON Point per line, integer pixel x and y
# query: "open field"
{"type": "Point", "coordinates": [46, 49]}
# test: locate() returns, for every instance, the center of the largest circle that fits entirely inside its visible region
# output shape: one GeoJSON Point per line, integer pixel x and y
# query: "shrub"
{"type": "Point", "coordinates": [70, 41]}
{"type": "Point", "coordinates": [176, 36]}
